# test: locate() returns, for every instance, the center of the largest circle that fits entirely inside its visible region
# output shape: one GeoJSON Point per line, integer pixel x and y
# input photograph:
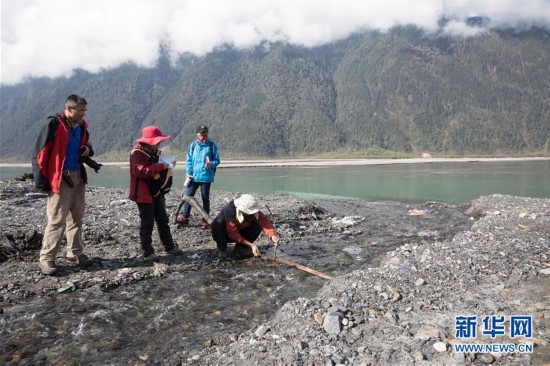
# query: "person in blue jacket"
{"type": "Point", "coordinates": [201, 164]}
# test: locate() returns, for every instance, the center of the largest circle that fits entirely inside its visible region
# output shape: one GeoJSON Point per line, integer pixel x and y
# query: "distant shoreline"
{"type": "Point", "coordinates": [324, 162]}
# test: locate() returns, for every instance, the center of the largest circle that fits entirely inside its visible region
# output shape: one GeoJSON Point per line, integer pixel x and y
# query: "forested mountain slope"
{"type": "Point", "coordinates": [402, 91]}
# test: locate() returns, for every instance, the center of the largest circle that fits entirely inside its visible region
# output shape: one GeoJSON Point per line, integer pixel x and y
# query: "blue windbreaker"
{"type": "Point", "coordinates": [196, 161]}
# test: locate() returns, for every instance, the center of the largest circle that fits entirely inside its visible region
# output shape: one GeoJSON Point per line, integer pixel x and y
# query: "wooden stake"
{"type": "Point", "coordinates": [196, 205]}
{"type": "Point", "coordinates": [301, 267]}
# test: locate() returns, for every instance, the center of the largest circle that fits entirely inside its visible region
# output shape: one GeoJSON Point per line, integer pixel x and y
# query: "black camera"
{"type": "Point", "coordinates": [91, 163]}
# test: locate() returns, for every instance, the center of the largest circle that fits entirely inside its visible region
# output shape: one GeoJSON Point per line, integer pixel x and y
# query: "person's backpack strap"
{"type": "Point", "coordinates": [141, 151]}
{"type": "Point", "coordinates": [211, 145]}
{"type": "Point", "coordinates": [55, 118]}
{"type": "Point", "coordinates": [161, 183]}
{"type": "Point", "coordinates": [137, 180]}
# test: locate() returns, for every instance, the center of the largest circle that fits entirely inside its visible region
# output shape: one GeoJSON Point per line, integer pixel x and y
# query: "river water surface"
{"type": "Point", "coordinates": [453, 182]}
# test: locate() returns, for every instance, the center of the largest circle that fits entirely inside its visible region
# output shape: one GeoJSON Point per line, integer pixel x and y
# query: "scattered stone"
{"type": "Point", "coordinates": [419, 282]}
{"type": "Point", "coordinates": [318, 318]}
{"type": "Point", "coordinates": [159, 269]}
{"type": "Point", "coordinates": [390, 315]}
{"type": "Point", "coordinates": [395, 295]}
{"type": "Point", "coordinates": [263, 329]}
{"type": "Point", "coordinates": [440, 347]}
{"type": "Point", "coordinates": [211, 342]}
{"type": "Point", "coordinates": [428, 332]}
{"type": "Point", "coordinates": [491, 305]}
{"type": "Point", "coordinates": [332, 323]}
{"type": "Point", "coordinates": [418, 356]}
{"type": "Point", "coordinates": [486, 358]}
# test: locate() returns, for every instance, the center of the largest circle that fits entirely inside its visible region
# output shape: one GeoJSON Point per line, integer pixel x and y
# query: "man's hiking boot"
{"type": "Point", "coordinates": [205, 224]}
{"type": "Point", "coordinates": [82, 260]}
{"type": "Point", "coordinates": [175, 251]}
{"type": "Point", "coordinates": [183, 220]}
{"type": "Point", "coordinates": [47, 267]}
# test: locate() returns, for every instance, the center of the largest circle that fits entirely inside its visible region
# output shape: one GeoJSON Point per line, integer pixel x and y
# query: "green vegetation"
{"type": "Point", "coordinates": [373, 95]}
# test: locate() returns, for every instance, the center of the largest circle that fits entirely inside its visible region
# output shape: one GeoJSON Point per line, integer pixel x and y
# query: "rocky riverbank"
{"type": "Point", "coordinates": [403, 312]}
{"type": "Point", "coordinates": [399, 308]}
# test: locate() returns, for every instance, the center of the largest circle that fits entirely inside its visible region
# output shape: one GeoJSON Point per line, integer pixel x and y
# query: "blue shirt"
{"type": "Point", "coordinates": [72, 159]}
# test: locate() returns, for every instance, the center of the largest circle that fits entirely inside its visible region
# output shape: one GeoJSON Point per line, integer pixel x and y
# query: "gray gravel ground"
{"type": "Point", "coordinates": [400, 312]}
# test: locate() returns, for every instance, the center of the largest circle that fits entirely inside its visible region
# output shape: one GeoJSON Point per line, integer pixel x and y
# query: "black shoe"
{"type": "Point", "coordinates": [150, 258]}
{"type": "Point", "coordinates": [175, 251]}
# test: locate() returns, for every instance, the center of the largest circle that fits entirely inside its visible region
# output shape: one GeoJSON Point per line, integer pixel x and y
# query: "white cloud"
{"type": "Point", "coordinates": [53, 37]}
{"type": "Point", "coordinates": [454, 28]}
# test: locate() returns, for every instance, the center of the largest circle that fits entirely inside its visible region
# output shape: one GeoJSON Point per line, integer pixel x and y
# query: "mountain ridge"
{"type": "Point", "coordinates": [399, 92]}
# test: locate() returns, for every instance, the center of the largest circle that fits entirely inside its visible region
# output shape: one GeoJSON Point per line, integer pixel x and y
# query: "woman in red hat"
{"type": "Point", "coordinates": [144, 165]}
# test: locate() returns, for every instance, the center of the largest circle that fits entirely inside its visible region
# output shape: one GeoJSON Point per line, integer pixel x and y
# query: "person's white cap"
{"type": "Point", "coordinates": [246, 204]}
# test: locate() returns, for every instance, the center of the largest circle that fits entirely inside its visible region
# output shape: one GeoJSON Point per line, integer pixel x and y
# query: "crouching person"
{"type": "Point", "coordinates": [241, 221]}
{"type": "Point", "coordinates": [144, 167]}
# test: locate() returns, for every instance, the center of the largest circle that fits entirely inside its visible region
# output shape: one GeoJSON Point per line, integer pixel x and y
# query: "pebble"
{"type": "Point", "coordinates": [491, 305]}
{"type": "Point", "coordinates": [486, 358]}
{"type": "Point", "coordinates": [418, 356]}
{"type": "Point", "coordinates": [419, 282]}
{"type": "Point", "coordinates": [263, 329]}
{"type": "Point", "coordinates": [440, 347]}
{"type": "Point", "coordinates": [332, 323]}
{"type": "Point", "coordinates": [428, 332]}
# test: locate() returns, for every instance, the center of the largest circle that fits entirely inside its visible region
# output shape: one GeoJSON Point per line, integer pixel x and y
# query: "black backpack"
{"type": "Point", "coordinates": [161, 183]}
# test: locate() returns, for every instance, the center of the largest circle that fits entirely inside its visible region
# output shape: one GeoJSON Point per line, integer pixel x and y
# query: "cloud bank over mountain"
{"type": "Point", "coordinates": [52, 38]}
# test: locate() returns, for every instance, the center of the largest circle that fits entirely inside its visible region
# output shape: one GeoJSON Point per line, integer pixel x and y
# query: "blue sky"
{"type": "Point", "coordinates": [53, 37]}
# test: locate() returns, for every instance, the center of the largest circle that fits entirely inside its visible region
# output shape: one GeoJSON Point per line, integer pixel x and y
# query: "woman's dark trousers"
{"type": "Point", "coordinates": [149, 213]}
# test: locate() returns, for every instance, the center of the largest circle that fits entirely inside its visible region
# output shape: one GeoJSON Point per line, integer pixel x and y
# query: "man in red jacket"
{"type": "Point", "coordinates": [58, 171]}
